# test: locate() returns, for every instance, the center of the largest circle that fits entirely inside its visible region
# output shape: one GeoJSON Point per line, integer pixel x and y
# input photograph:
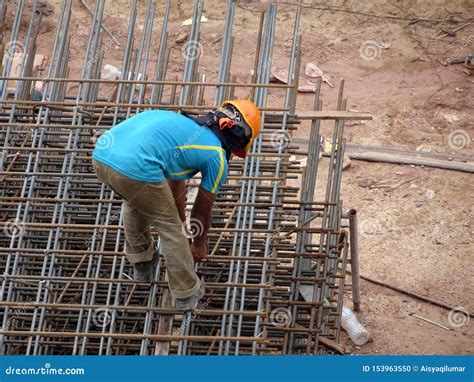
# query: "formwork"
{"type": "Point", "coordinates": [275, 275]}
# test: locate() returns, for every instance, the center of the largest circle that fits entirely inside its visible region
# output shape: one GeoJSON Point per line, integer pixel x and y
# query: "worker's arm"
{"type": "Point", "coordinates": [178, 188]}
{"type": "Point", "coordinates": [201, 220]}
{"type": "Point", "coordinates": [214, 173]}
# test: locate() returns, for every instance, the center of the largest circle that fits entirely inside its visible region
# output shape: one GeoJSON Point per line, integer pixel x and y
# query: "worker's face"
{"type": "Point", "coordinates": [238, 138]}
{"type": "Point", "coordinates": [239, 134]}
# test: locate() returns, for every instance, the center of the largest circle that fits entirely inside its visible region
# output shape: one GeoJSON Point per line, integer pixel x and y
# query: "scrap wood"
{"type": "Point", "coordinates": [190, 21]}
{"type": "Point", "coordinates": [165, 323]}
{"type": "Point", "coordinates": [411, 158]}
{"type": "Point", "coordinates": [39, 63]}
{"type": "Point", "coordinates": [42, 6]}
{"type": "Point", "coordinates": [386, 183]}
{"type": "Point", "coordinates": [453, 32]}
{"type": "Point", "coordinates": [400, 155]}
{"type": "Point", "coordinates": [351, 147]}
{"type": "Point", "coordinates": [331, 344]}
{"type": "Point", "coordinates": [462, 60]}
{"type": "Point", "coordinates": [281, 75]}
{"type": "Point", "coordinates": [331, 115]}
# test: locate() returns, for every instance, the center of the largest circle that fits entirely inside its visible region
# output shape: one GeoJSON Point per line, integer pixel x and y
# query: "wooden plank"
{"type": "Point", "coordinates": [400, 155]}
{"type": "Point", "coordinates": [331, 344]}
{"type": "Point", "coordinates": [413, 159]}
{"type": "Point", "coordinates": [165, 324]}
{"type": "Point", "coordinates": [332, 115]}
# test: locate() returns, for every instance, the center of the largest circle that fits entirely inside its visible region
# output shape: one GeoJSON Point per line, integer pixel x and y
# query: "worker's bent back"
{"type": "Point", "coordinates": [155, 145]}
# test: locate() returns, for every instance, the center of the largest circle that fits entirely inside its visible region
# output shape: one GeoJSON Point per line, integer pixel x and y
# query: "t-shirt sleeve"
{"type": "Point", "coordinates": [214, 172]}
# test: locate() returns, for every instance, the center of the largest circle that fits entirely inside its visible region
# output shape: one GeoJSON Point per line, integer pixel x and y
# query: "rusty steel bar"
{"type": "Point", "coordinates": [276, 273]}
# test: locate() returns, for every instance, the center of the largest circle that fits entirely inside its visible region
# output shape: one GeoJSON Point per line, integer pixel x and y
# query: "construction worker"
{"type": "Point", "coordinates": [134, 159]}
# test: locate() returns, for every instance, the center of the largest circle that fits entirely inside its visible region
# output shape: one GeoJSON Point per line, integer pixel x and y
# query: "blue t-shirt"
{"type": "Point", "coordinates": [159, 144]}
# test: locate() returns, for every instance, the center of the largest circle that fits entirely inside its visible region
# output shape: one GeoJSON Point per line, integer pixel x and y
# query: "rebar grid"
{"type": "Point", "coordinates": [275, 275]}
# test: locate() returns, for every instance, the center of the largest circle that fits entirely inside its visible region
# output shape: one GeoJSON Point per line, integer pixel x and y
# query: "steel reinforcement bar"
{"type": "Point", "coordinates": [276, 270]}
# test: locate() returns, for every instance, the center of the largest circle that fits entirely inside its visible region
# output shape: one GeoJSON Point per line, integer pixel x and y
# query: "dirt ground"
{"type": "Point", "coordinates": [417, 236]}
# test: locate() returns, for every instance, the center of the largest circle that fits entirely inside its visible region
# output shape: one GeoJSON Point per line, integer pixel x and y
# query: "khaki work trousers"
{"type": "Point", "coordinates": [147, 204]}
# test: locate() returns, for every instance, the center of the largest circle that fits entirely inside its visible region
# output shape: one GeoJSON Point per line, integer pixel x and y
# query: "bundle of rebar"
{"type": "Point", "coordinates": [275, 274]}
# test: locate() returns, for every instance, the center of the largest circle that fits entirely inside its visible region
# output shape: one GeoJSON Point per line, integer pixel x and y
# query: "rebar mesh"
{"type": "Point", "coordinates": [276, 270]}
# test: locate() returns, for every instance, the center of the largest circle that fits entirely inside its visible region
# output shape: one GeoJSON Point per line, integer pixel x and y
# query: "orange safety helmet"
{"type": "Point", "coordinates": [251, 116]}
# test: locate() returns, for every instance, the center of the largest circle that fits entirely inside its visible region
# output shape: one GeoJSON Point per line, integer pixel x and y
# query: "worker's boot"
{"type": "Point", "coordinates": [143, 272]}
{"type": "Point", "coordinates": [191, 302]}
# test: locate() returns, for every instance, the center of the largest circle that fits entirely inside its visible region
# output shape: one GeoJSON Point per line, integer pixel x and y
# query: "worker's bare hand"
{"type": "Point", "coordinates": [199, 250]}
